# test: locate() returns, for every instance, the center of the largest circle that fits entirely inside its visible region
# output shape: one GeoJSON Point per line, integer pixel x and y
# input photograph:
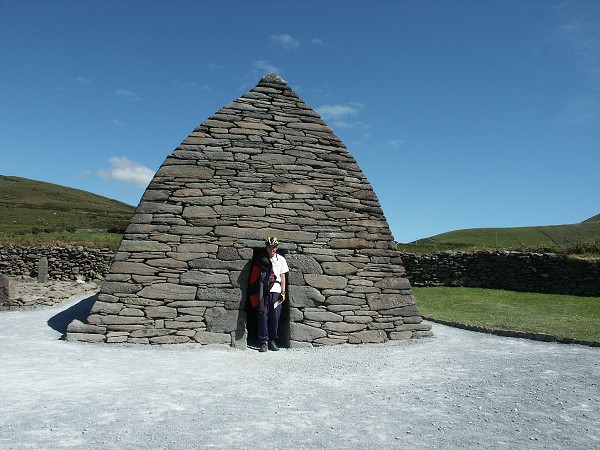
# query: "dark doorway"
{"type": "Point", "coordinates": [252, 314]}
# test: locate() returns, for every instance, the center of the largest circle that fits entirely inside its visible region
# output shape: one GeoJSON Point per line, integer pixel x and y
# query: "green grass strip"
{"type": "Point", "coordinates": [85, 238]}
{"type": "Point", "coordinates": [563, 316]}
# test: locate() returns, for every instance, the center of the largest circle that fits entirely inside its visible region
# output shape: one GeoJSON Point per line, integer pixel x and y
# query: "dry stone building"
{"type": "Point", "coordinates": [264, 165]}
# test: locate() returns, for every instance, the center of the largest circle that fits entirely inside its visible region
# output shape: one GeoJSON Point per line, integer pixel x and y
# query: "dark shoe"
{"type": "Point", "coordinates": [273, 346]}
{"type": "Point", "coordinates": [263, 347]}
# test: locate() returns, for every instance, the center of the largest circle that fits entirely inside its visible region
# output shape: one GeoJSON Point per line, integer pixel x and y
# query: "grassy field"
{"type": "Point", "coordinates": [565, 316]}
{"type": "Point", "coordinates": [34, 211]}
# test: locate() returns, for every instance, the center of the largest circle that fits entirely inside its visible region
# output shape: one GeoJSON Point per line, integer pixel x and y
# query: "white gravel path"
{"type": "Point", "coordinates": [458, 389]}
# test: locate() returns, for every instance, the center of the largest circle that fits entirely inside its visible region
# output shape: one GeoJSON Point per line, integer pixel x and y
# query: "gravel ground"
{"type": "Point", "coordinates": [458, 389]}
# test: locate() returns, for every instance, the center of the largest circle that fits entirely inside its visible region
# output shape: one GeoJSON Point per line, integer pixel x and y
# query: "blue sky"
{"type": "Point", "coordinates": [462, 114]}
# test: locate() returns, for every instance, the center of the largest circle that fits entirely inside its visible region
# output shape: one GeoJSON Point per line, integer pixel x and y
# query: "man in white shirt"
{"type": "Point", "coordinates": [269, 310]}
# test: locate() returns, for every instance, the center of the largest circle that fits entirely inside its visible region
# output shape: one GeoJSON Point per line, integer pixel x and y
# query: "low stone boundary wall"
{"type": "Point", "coordinates": [64, 263]}
{"type": "Point", "coordinates": [514, 271]}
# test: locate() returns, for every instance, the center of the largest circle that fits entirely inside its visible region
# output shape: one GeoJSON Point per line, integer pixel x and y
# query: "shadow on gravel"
{"type": "Point", "coordinates": [79, 310]}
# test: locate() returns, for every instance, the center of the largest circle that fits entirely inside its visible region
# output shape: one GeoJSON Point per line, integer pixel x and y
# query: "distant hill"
{"type": "Point", "coordinates": [579, 234]}
{"type": "Point", "coordinates": [30, 207]}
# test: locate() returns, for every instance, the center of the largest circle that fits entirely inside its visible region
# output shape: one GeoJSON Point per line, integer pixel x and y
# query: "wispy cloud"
{"type": "Point", "coordinates": [125, 171]}
{"type": "Point", "coordinates": [85, 173]}
{"type": "Point", "coordinates": [316, 41]}
{"type": "Point", "coordinates": [337, 112]}
{"type": "Point", "coordinates": [84, 80]}
{"type": "Point", "coordinates": [395, 143]}
{"type": "Point", "coordinates": [340, 115]}
{"type": "Point", "coordinates": [579, 34]}
{"type": "Point", "coordinates": [192, 85]}
{"type": "Point", "coordinates": [118, 122]}
{"type": "Point", "coordinates": [286, 41]}
{"type": "Point", "coordinates": [582, 110]}
{"type": "Point", "coordinates": [266, 67]}
{"type": "Point", "coordinates": [356, 125]}
{"type": "Point", "coordinates": [127, 93]}
{"type": "Point", "coordinates": [215, 66]}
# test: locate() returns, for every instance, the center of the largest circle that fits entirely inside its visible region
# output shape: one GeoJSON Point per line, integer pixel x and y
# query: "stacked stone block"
{"type": "Point", "coordinates": [266, 164]}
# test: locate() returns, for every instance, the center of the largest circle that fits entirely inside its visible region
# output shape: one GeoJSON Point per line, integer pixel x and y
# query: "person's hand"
{"type": "Point", "coordinates": [282, 295]}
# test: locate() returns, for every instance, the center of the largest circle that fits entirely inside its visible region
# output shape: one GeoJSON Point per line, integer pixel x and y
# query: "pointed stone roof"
{"type": "Point", "coordinates": [265, 164]}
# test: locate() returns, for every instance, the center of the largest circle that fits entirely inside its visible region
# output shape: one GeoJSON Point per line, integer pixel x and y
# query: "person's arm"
{"type": "Point", "coordinates": [283, 282]}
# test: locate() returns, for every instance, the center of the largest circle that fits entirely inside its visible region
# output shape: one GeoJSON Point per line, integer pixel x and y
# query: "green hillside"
{"type": "Point", "coordinates": [29, 207]}
{"type": "Point", "coordinates": [579, 238]}
{"type": "Point", "coordinates": [511, 237]}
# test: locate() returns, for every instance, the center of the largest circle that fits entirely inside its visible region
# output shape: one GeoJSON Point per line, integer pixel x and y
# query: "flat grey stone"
{"type": "Point", "coordinates": [207, 337]}
{"type": "Point", "coordinates": [169, 339]}
{"type": "Point", "coordinates": [221, 320]}
{"type": "Point", "coordinates": [389, 301]}
{"type": "Point", "coordinates": [322, 316]}
{"type": "Point", "coordinates": [301, 296]}
{"type": "Point", "coordinates": [160, 312]}
{"type": "Point", "coordinates": [170, 291]}
{"type": "Point", "coordinates": [368, 336]}
{"type": "Point", "coordinates": [76, 326]}
{"type": "Point", "coordinates": [305, 333]}
{"type": "Point", "coordinates": [326, 281]}
{"type": "Point", "coordinates": [344, 327]}
{"type": "Point", "coordinates": [86, 337]}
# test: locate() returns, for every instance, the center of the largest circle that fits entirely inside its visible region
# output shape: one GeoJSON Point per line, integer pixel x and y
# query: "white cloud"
{"type": "Point", "coordinates": [286, 41]}
{"type": "Point", "coordinates": [125, 171]}
{"type": "Point", "coordinates": [316, 41]}
{"type": "Point", "coordinates": [352, 125]}
{"type": "Point", "coordinates": [84, 80]}
{"type": "Point", "coordinates": [337, 112]}
{"type": "Point", "coordinates": [266, 67]}
{"type": "Point", "coordinates": [118, 122]}
{"type": "Point", "coordinates": [338, 115]}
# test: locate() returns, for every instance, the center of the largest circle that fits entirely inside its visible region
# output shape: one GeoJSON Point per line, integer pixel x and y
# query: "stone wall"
{"type": "Point", "coordinates": [515, 271]}
{"type": "Point", "coordinates": [527, 272]}
{"type": "Point", "coordinates": [64, 262]}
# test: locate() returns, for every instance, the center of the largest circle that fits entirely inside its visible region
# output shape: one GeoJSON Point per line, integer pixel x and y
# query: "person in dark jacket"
{"type": "Point", "coordinates": [267, 292]}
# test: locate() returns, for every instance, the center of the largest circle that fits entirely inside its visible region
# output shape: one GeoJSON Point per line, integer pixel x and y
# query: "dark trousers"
{"type": "Point", "coordinates": [268, 319]}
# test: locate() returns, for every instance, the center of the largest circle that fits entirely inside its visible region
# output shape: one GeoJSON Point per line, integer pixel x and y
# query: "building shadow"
{"type": "Point", "coordinates": [79, 310]}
